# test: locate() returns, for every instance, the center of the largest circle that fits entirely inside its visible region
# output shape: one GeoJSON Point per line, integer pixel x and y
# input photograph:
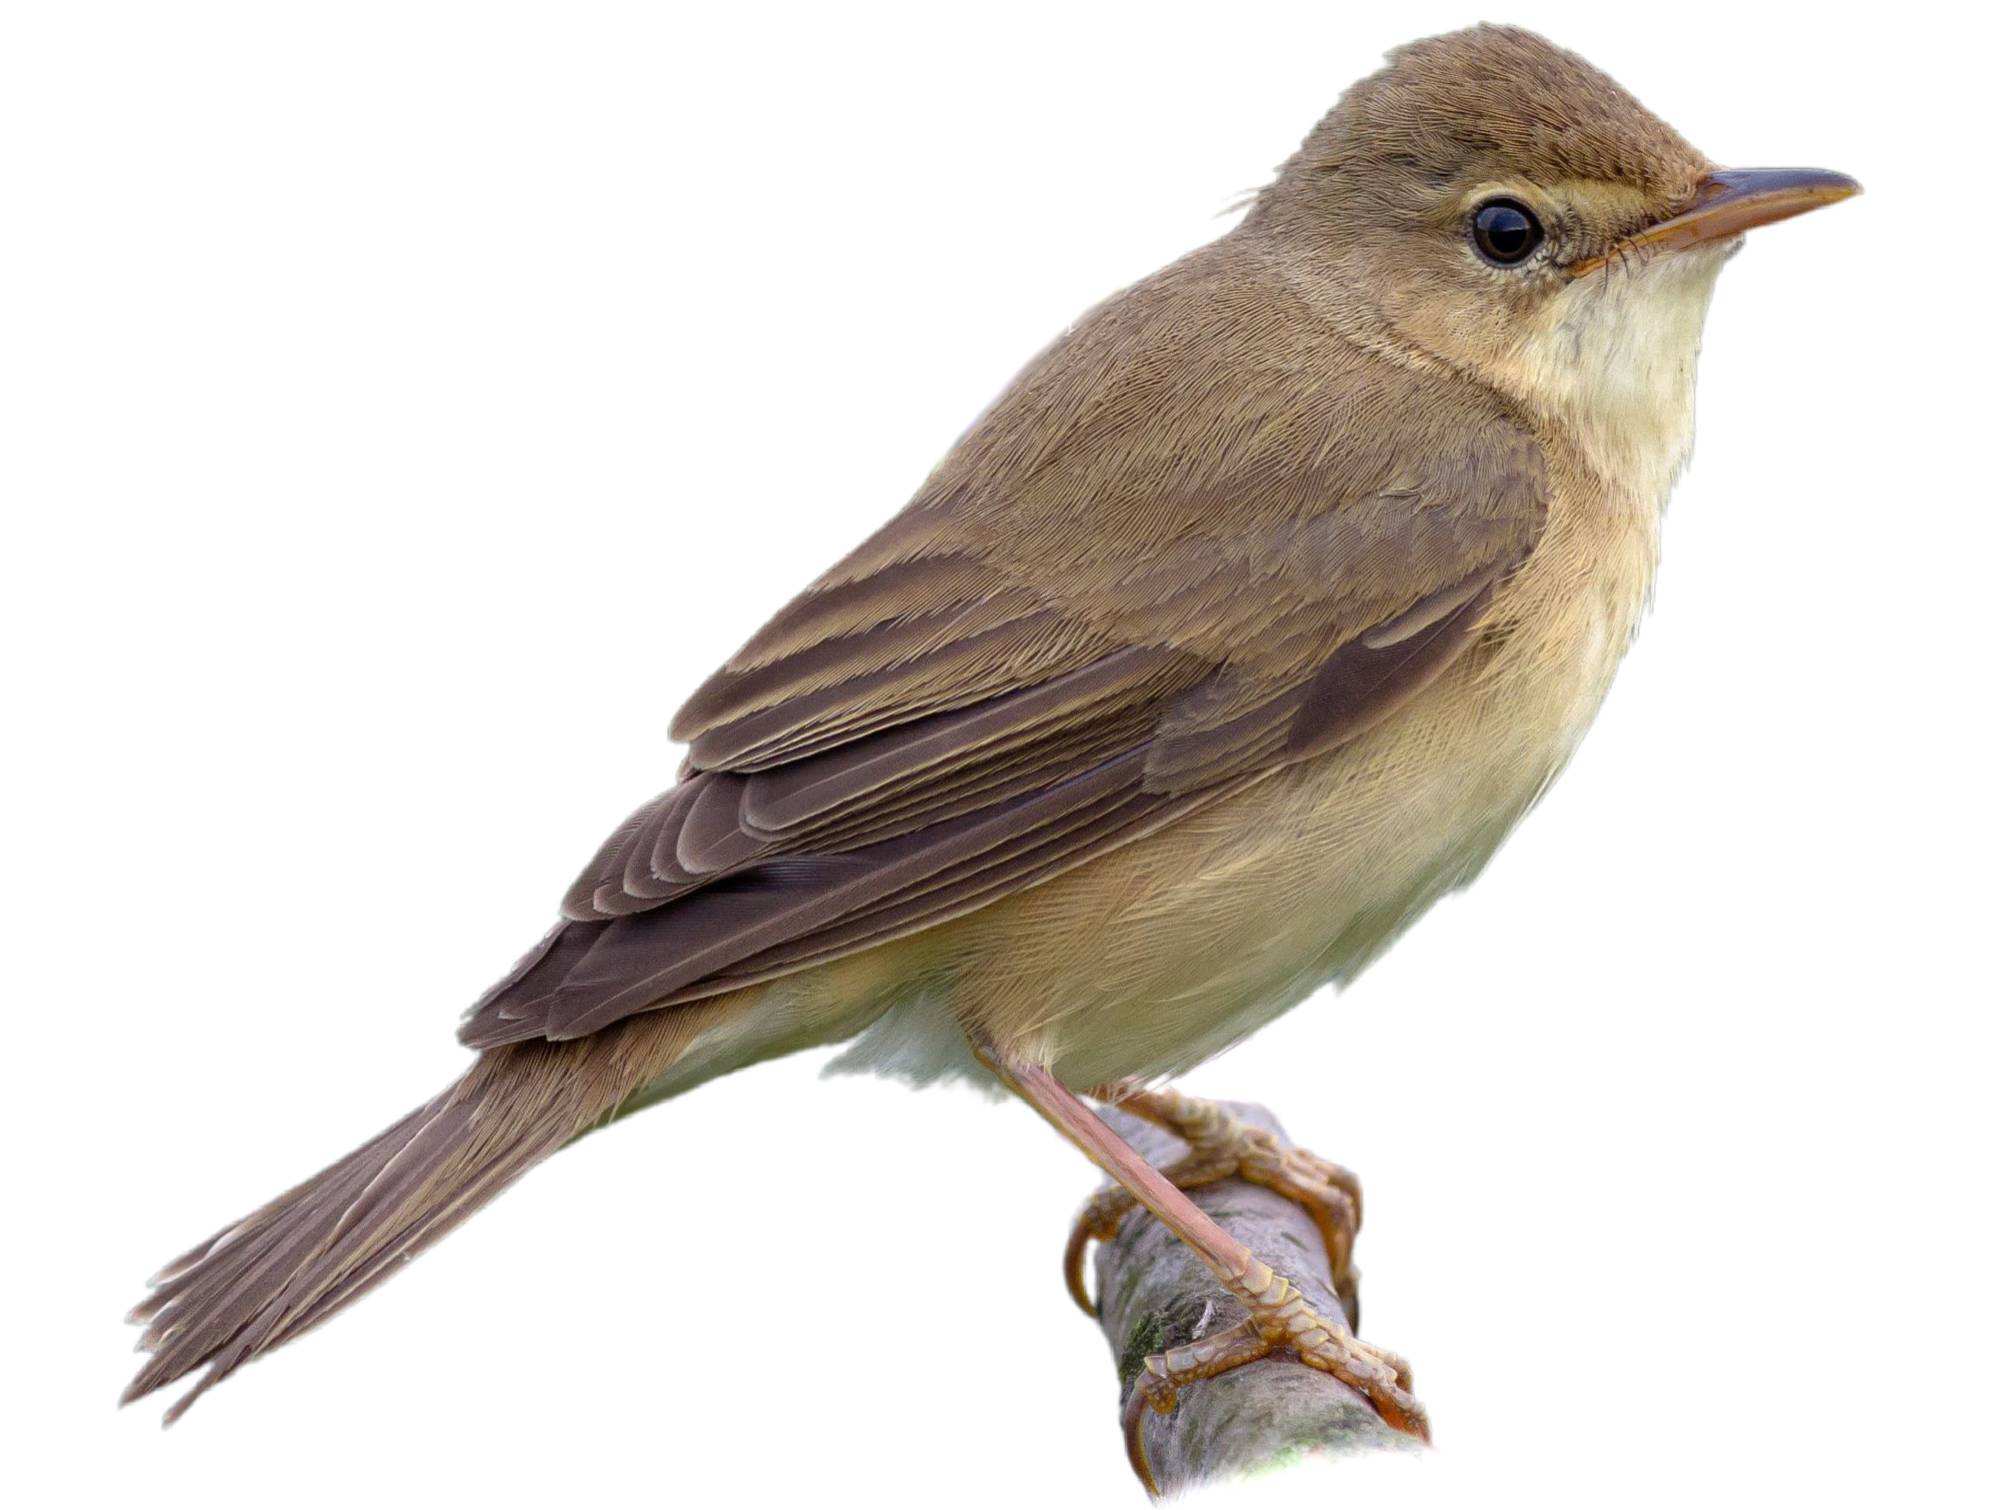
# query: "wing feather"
{"type": "Point", "coordinates": [1197, 540]}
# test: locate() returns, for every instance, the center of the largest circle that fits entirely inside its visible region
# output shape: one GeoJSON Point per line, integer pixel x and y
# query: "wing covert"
{"type": "Point", "coordinates": [1158, 569]}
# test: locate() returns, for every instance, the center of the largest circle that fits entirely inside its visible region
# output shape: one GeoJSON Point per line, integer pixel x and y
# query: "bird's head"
{"type": "Point", "coordinates": [1501, 204]}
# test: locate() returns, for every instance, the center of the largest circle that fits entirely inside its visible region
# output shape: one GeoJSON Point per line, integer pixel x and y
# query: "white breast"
{"type": "Point", "coordinates": [1617, 364]}
{"type": "Point", "coordinates": [1610, 377]}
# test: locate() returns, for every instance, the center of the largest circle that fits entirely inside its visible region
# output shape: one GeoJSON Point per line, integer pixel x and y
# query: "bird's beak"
{"type": "Point", "coordinates": [1730, 202]}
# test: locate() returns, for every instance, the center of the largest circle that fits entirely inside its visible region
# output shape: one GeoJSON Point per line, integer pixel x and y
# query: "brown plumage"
{"type": "Point", "coordinates": [1040, 658]}
{"type": "Point", "coordinates": [1245, 624]}
{"type": "Point", "coordinates": [266, 1279]}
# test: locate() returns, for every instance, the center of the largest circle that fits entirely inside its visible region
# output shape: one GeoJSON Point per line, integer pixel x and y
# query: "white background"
{"type": "Point", "coordinates": [406, 405]}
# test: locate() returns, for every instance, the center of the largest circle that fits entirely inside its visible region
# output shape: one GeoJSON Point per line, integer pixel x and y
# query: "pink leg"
{"type": "Point", "coordinates": [1277, 1319]}
{"type": "Point", "coordinates": [1220, 1148]}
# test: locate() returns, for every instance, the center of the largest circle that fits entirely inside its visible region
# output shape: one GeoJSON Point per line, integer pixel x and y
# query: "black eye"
{"type": "Point", "coordinates": [1506, 232]}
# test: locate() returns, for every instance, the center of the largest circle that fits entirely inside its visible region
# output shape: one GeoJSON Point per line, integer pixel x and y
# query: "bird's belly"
{"type": "Point", "coordinates": [1154, 957]}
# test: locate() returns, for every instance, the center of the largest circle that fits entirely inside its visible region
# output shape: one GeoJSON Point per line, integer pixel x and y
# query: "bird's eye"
{"type": "Point", "coordinates": [1506, 232]}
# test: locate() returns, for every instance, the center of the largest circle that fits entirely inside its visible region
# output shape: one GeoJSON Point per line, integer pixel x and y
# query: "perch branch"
{"type": "Point", "coordinates": [1153, 1295]}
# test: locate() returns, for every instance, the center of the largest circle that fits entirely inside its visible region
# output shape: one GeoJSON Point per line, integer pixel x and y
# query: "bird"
{"type": "Point", "coordinates": [1246, 623]}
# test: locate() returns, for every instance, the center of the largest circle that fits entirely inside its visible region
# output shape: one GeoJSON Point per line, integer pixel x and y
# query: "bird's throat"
{"type": "Point", "coordinates": [1615, 370]}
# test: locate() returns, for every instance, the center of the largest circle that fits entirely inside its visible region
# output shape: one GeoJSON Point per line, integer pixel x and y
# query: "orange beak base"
{"type": "Point", "coordinates": [1730, 202]}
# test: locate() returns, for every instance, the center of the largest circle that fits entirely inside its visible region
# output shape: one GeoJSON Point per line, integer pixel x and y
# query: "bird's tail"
{"type": "Point", "coordinates": [306, 1255]}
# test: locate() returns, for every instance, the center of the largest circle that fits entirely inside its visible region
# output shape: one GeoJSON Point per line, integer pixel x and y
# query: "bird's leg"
{"type": "Point", "coordinates": [1222, 1147]}
{"type": "Point", "coordinates": [1277, 1318]}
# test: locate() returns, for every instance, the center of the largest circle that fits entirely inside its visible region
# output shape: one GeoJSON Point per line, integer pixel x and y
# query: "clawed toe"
{"type": "Point", "coordinates": [1278, 1318]}
{"type": "Point", "coordinates": [1281, 1325]}
{"type": "Point", "coordinates": [1097, 1222]}
{"type": "Point", "coordinates": [1223, 1147]}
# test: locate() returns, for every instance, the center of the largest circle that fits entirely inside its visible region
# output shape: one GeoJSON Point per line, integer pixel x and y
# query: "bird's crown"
{"type": "Point", "coordinates": [1488, 103]}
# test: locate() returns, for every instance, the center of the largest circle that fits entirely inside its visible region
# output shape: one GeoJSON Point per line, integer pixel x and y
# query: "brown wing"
{"type": "Point", "coordinates": [1201, 537]}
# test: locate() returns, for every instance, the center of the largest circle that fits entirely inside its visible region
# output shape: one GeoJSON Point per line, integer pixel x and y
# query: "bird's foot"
{"type": "Point", "coordinates": [1222, 1147]}
{"type": "Point", "coordinates": [1279, 1319]}
{"type": "Point", "coordinates": [1279, 1322]}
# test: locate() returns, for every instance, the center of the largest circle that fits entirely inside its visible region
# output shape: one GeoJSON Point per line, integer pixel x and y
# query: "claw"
{"type": "Point", "coordinates": [1290, 1327]}
{"type": "Point", "coordinates": [1159, 1382]}
{"type": "Point", "coordinates": [1097, 1222]}
{"type": "Point", "coordinates": [1221, 1147]}
{"type": "Point", "coordinates": [1279, 1318]}
{"type": "Point", "coordinates": [1132, 1423]}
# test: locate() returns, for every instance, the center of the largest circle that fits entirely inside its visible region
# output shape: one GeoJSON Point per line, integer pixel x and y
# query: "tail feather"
{"type": "Point", "coordinates": [302, 1257]}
